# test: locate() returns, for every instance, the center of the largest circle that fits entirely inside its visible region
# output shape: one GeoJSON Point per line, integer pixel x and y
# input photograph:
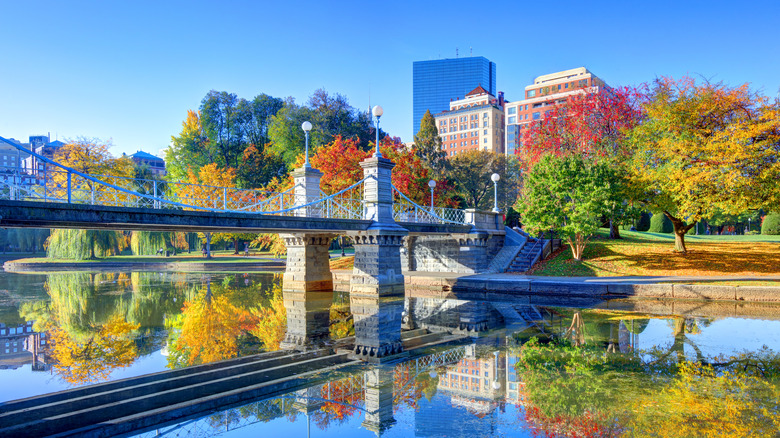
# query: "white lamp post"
{"type": "Point", "coordinates": [377, 113]}
{"type": "Point", "coordinates": [496, 385]}
{"type": "Point", "coordinates": [432, 184]}
{"type": "Point", "coordinates": [495, 178]}
{"type": "Point", "coordinates": [306, 126]}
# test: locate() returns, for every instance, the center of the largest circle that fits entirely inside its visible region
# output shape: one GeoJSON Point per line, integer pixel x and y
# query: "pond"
{"type": "Point", "coordinates": [554, 368]}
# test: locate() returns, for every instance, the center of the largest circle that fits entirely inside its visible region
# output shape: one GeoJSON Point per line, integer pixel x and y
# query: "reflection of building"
{"type": "Point", "coordinates": [515, 388]}
{"type": "Point", "coordinates": [21, 345]}
{"type": "Point", "coordinates": [474, 378]}
{"type": "Point", "coordinates": [437, 82]}
{"type": "Point", "coordinates": [540, 97]}
{"type": "Point", "coordinates": [155, 164]}
{"type": "Point", "coordinates": [475, 122]}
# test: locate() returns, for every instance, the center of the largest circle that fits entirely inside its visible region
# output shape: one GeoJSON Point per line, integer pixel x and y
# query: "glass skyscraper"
{"type": "Point", "coordinates": [439, 81]}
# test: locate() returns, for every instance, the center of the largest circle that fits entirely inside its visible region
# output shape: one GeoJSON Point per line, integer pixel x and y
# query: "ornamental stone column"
{"type": "Point", "coordinates": [376, 291]}
{"type": "Point", "coordinates": [307, 288]}
{"type": "Point", "coordinates": [307, 190]}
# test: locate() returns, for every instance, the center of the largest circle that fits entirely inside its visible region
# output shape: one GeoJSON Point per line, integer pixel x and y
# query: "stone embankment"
{"type": "Point", "coordinates": [487, 286]}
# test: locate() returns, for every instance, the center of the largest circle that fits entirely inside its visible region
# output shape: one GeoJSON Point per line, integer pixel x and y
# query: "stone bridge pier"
{"type": "Point", "coordinates": [379, 400]}
{"type": "Point", "coordinates": [376, 291]}
{"type": "Point", "coordinates": [307, 289]}
{"type": "Point", "coordinates": [307, 283]}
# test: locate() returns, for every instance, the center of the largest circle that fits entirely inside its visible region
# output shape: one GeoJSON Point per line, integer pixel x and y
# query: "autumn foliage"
{"type": "Point", "coordinates": [92, 358]}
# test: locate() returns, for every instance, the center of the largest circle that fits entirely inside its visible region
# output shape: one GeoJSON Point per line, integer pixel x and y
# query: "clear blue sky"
{"type": "Point", "coordinates": [130, 70]}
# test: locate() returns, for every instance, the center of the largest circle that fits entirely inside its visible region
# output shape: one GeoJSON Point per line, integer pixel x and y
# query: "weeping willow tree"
{"type": "Point", "coordinates": [149, 242]}
{"type": "Point", "coordinates": [83, 244]}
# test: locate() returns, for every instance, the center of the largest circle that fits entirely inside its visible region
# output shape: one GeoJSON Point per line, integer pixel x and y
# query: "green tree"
{"type": "Point", "coordinates": [428, 145]}
{"type": "Point", "coordinates": [83, 244]}
{"type": "Point", "coordinates": [568, 194]}
{"type": "Point", "coordinates": [190, 150]}
{"type": "Point", "coordinates": [286, 135]}
{"type": "Point", "coordinates": [471, 172]}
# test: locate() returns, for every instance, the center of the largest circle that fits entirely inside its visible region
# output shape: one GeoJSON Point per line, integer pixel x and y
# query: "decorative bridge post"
{"type": "Point", "coordinates": [376, 291]}
{"type": "Point", "coordinates": [307, 283]}
{"type": "Point", "coordinates": [307, 190]}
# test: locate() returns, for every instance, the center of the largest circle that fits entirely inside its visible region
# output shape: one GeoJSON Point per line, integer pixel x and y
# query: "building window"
{"type": "Point", "coordinates": [531, 93]}
{"type": "Point", "coordinates": [513, 110]}
{"type": "Point", "coordinates": [512, 119]}
{"type": "Point", "coordinates": [485, 140]}
{"type": "Point", "coordinates": [484, 115]}
{"type": "Point", "coordinates": [566, 85]}
{"type": "Point", "coordinates": [443, 130]}
{"type": "Point", "coordinates": [485, 124]}
{"type": "Point", "coordinates": [537, 105]}
{"type": "Point", "coordinates": [537, 115]}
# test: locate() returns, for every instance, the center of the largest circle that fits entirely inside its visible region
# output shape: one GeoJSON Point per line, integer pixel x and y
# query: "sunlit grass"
{"type": "Point", "coordinates": [652, 254]}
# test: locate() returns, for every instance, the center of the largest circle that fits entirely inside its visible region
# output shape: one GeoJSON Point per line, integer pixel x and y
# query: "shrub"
{"type": "Point", "coordinates": [771, 224]}
{"type": "Point", "coordinates": [659, 223]}
{"type": "Point", "coordinates": [643, 224]}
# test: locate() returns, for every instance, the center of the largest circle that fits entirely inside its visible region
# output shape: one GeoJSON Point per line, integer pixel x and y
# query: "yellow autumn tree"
{"type": "Point", "coordinates": [211, 328]}
{"type": "Point", "coordinates": [271, 321]}
{"type": "Point", "coordinates": [701, 402]}
{"type": "Point", "coordinates": [703, 149]}
{"type": "Point", "coordinates": [92, 358]}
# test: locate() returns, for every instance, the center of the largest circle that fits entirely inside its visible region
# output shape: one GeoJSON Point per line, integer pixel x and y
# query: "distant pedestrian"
{"type": "Point", "coordinates": [246, 249]}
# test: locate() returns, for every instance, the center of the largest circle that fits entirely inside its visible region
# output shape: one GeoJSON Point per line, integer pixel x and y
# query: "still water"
{"type": "Point", "coordinates": [623, 368]}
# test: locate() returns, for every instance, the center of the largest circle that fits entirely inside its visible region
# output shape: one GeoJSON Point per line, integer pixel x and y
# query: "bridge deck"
{"type": "Point", "coordinates": [28, 214]}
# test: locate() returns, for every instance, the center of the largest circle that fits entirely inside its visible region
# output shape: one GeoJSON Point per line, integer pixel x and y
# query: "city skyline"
{"type": "Point", "coordinates": [109, 71]}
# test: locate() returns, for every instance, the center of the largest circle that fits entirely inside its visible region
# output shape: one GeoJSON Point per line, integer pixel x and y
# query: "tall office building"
{"type": "Point", "coordinates": [438, 82]}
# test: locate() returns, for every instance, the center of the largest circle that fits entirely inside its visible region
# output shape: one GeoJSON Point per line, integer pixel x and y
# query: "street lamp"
{"type": "Point", "coordinates": [306, 126]}
{"type": "Point", "coordinates": [431, 184]}
{"type": "Point", "coordinates": [377, 113]}
{"type": "Point", "coordinates": [495, 177]}
{"type": "Point", "coordinates": [496, 385]}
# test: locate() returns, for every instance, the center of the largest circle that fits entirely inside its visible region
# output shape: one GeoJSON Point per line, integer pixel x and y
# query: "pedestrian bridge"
{"type": "Point", "coordinates": [391, 233]}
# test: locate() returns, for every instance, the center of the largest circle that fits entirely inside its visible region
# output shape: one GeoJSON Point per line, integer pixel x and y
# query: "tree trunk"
{"type": "Point", "coordinates": [208, 245]}
{"type": "Point", "coordinates": [614, 230]}
{"type": "Point", "coordinates": [680, 228]}
{"type": "Point", "coordinates": [577, 246]}
{"type": "Point", "coordinates": [235, 245]}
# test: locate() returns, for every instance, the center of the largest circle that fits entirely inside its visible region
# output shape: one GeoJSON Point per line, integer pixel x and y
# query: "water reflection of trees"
{"type": "Point", "coordinates": [586, 383]}
{"type": "Point", "coordinates": [98, 322]}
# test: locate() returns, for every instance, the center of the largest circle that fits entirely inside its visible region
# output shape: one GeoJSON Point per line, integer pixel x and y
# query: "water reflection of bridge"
{"type": "Point", "coordinates": [169, 397]}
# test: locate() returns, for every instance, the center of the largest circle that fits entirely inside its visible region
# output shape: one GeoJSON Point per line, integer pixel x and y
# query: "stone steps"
{"type": "Point", "coordinates": [67, 412]}
{"type": "Point", "coordinates": [522, 261]}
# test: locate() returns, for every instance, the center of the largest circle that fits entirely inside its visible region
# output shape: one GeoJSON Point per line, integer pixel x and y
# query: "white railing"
{"type": "Point", "coordinates": [406, 210]}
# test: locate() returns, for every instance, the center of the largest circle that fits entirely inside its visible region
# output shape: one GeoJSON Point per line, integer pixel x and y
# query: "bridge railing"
{"type": "Point", "coordinates": [55, 182]}
{"type": "Point", "coordinates": [406, 210]}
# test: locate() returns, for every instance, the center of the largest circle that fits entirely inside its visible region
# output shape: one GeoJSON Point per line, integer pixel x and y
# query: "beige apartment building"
{"type": "Point", "coordinates": [546, 91]}
{"type": "Point", "coordinates": [474, 122]}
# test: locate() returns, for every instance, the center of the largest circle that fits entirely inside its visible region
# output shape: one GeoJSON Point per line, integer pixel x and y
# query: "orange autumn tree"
{"type": "Point", "coordinates": [92, 358]}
